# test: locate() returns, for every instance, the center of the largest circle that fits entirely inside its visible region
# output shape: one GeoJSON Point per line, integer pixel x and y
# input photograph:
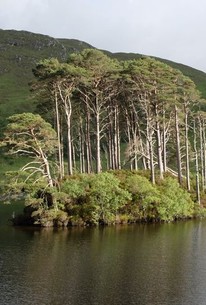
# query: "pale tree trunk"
{"type": "Point", "coordinates": [111, 138]}
{"type": "Point", "coordinates": [201, 153]}
{"type": "Point", "coordinates": [142, 151]}
{"type": "Point", "coordinates": [128, 132]}
{"type": "Point", "coordinates": [44, 161]}
{"type": "Point", "coordinates": [69, 143]}
{"type": "Point", "coordinates": [47, 171]}
{"type": "Point", "coordinates": [60, 159]}
{"type": "Point", "coordinates": [81, 147]}
{"type": "Point", "coordinates": [62, 154]}
{"type": "Point", "coordinates": [110, 150]}
{"type": "Point", "coordinates": [196, 165]}
{"type": "Point", "coordinates": [187, 150]}
{"type": "Point", "coordinates": [96, 106]}
{"type": "Point", "coordinates": [98, 153]}
{"type": "Point", "coordinates": [204, 152]}
{"type": "Point", "coordinates": [115, 138]}
{"type": "Point", "coordinates": [88, 142]}
{"type": "Point", "coordinates": [150, 132]}
{"type": "Point", "coordinates": [178, 152]}
{"type": "Point", "coordinates": [151, 154]}
{"type": "Point", "coordinates": [148, 145]}
{"type": "Point", "coordinates": [159, 145]}
{"type": "Point", "coordinates": [73, 155]}
{"type": "Point", "coordinates": [159, 151]}
{"type": "Point", "coordinates": [118, 145]}
{"type": "Point", "coordinates": [164, 144]}
{"type": "Point", "coordinates": [66, 101]}
{"type": "Point", "coordinates": [134, 124]}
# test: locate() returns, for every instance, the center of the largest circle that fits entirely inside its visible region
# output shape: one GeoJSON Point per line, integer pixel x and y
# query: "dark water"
{"type": "Point", "coordinates": [141, 264]}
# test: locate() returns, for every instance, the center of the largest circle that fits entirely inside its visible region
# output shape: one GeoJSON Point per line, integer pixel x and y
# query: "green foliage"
{"type": "Point", "coordinates": [107, 196]}
{"type": "Point", "coordinates": [28, 133]}
{"type": "Point", "coordinates": [96, 198]}
{"type": "Point", "coordinates": [175, 202]}
{"type": "Point", "coordinates": [164, 202]}
{"type": "Point", "coordinates": [50, 217]}
{"type": "Point", "coordinates": [75, 187]}
{"type": "Point", "coordinates": [94, 61]}
{"type": "Point", "coordinates": [145, 197]}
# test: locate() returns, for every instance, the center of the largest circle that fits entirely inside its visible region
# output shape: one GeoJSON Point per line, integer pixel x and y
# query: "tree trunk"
{"type": "Point", "coordinates": [98, 154]}
{"type": "Point", "coordinates": [118, 142]}
{"type": "Point", "coordinates": [88, 142]}
{"type": "Point", "coordinates": [178, 153]}
{"type": "Point", "coordinates": [201, 153]}
{"type": "Point", "coordinates": [66, 101]}
{"type": "Point", "coordinates": [164, 147]}
{"type": "Point", "coordinates": [187, 150]}
{"type": "Point", "coordinates": [204, 151]}
{"type": "Point", "coordinates": [159, 144]}
{"type": "Point", "coordinates": [60, 160]}
{"type": "Point", "coordinates": [44, 161]}
{"type": "Point", "coordinates": [81, 147]}
{"type": "Point", "coordinates": [69, 146]}
{"type": "Point", "coordinates": [151, 154]}
{"type": "Point", "coordinates": [196, 165]}
{"type": "Point", "coordinates": [73, 155]}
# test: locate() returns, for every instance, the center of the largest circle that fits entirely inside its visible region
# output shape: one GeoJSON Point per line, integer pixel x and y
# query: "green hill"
{"type": "Point", "coordinates": [20, 51]}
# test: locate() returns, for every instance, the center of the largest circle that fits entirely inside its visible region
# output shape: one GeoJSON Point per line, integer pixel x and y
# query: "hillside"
{"type": "Point", "coordinates": [21, 50]}
{"type": "Point", "coordinates": [19, 53]}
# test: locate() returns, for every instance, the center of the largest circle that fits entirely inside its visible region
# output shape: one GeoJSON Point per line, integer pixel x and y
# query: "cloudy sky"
{"type": "Point", "coordinates": [171, 29]}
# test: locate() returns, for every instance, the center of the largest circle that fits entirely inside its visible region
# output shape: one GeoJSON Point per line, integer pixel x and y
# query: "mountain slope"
{"type": "Point", "coordinates": [20, 51]}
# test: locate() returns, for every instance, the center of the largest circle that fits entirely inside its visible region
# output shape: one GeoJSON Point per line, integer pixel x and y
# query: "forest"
{"type": "Point", "coordinates": [111, 142]}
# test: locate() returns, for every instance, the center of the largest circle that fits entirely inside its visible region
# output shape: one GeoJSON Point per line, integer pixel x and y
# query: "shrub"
{"type": "Point", "coordinates": [175, 202]}
{"type": "Point", "coordinates": [145, 197]}
{"type": "Point", "coordinates": [107, 196]}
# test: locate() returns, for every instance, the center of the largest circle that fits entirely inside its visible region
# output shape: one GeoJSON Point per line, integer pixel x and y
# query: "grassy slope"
{"type": "Point", "coordinates": [19, 52]}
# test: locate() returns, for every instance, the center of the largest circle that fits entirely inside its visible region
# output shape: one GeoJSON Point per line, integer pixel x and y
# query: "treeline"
{"type": "Point", "coordinates": [132, 114]}
{"type": "Point", "coordinates": [102, 116]}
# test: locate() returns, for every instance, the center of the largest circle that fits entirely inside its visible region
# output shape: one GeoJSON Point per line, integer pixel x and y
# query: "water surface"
{"type": "Point", "coordinates": [160, 264]}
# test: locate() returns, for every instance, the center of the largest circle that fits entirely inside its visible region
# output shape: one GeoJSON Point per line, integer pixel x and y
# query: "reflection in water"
{"type": "Point", "coordinates": [138, 264]}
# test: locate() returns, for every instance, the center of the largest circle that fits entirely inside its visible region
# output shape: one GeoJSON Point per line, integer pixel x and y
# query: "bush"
{"type": "Point", "coordinates": [175, 202]}
{"type": "Point", "coordinates": [107, 197]}
{"type": "Point", "coordinates": [95, 198]}
{"type": "Point", "coordinates": [145, 197]}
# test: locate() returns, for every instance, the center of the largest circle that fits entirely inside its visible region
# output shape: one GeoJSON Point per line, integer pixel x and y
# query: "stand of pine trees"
{"type": "Point", "coordinates": [139, 115]}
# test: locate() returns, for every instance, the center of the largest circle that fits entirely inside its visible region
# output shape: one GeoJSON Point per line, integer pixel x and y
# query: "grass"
{"type": "Point", "coordinates": [8, 163]}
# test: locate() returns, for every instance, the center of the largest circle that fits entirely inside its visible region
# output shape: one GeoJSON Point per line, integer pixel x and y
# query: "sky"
{"type": "Point", "coordinates": [170, 29]}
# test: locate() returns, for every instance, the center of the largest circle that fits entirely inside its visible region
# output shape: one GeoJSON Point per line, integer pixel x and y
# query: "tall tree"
{"type": "Point", "coordinates": [60, 81]}
{"type": "Point", "coordinates": [95, 90]}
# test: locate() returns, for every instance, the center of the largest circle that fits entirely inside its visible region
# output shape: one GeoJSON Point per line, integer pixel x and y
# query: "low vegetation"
{"type": "Point", "coordinates": [117, 197]}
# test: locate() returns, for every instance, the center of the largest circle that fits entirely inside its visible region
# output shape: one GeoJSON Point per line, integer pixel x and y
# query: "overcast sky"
{"type": "Point", "coordinates": [170, 29]}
